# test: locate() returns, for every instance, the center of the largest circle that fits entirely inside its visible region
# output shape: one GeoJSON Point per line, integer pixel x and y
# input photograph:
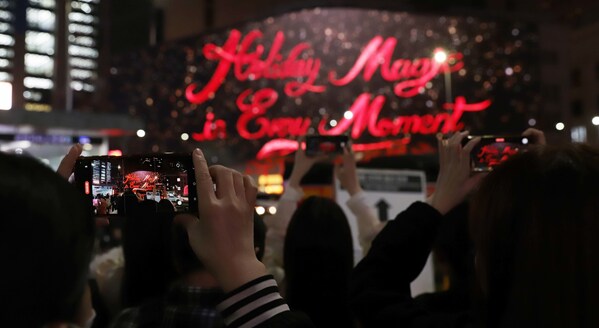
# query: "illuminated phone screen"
{"type": "Point", "coordinates": [492, 151]}
{"type": "Point", "coordinates": [113, 184]}
{"type": "Point", "coordinates": [319, 145]}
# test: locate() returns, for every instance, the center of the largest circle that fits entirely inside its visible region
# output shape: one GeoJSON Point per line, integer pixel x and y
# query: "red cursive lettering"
{"type": "Point", "coordinates": [410, 75]}
{"type": "Point", "coordinates": [249, 65]}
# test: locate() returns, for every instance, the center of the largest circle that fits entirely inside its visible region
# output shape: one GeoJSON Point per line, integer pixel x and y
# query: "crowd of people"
{"type": "Point", "coordinates": [519, 242]}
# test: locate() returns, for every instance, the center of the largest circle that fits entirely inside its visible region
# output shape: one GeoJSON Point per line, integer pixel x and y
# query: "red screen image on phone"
{"type": "Point", "coordinates": [494, 150]}
{"type": "Point", "coordinates": [324, 145]}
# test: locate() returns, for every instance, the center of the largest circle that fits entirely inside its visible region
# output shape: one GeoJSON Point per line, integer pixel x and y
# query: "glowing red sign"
{"type": "Point", "coordinates": [300, 71]}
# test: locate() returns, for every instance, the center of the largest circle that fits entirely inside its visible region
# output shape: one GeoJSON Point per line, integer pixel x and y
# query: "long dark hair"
{"type": "Point", "coordinates": [318, 259]}
{"type": "Point", "coordinates": [535, 224]}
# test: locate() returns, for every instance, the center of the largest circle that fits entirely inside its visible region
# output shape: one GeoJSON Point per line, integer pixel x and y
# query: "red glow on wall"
{"type": "Point", "coordinates": [115, 152]}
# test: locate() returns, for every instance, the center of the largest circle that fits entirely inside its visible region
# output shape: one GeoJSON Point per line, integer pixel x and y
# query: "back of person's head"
{"type": "Point", "coordinates": [535, 222]}
{"type": "Point", "coordinates": [318, 259]}
{"type": "Point", "coordinates": [146, 248]}
{"type": "Point", "coordinates": [46, 244]}
{"type": "Point", "coordinates": [187, 262]}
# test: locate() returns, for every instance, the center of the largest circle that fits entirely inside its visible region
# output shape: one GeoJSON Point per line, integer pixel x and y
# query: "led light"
{"type": "Point", "coordinates": [260, 210]}
{"type": "Point", "coordinates": [184, 136]}
{"type": "Point", "coordinates": [440, 56]}
{"type": "Point", "coordinates": [525, 141]}
{"type": "Point", "coordinates": [141, 133]}
{"type": "Point", "coordinates": [560, 126]}
{"type": "Point", "coordinates": [532, 122]}
{"type": "Point", "coordinates": [333, 123]}
{"type": "Point", "coordinates": [348, 115]}
{"type": "Point", "coordinates": [272, 210]}
{"type": "Point", "coordinates": [595, 120]}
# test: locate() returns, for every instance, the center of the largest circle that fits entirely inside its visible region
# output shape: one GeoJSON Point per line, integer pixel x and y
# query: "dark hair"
{"type": "Point", "coordinates": [147, 251]}
{"type": "Point", "coordinates": [535, 225]}
{"type": "Point", "coordinates": [318, 259]}
{"type": "Point", "coordinates": [187, 262]}
{"type": "Point", "coordinates": [46, 244]}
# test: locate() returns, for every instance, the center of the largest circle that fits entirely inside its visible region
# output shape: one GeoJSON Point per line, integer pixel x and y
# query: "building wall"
{"type": "Point", "coordinates": [583, 53]}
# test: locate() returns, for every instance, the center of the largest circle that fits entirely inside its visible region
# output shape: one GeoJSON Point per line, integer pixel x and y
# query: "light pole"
{"type": "Point", "coordinates": [440, 56]}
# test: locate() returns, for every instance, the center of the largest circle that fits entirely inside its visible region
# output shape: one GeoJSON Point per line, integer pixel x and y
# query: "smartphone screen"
{"type": "Point", "coordinates": [493, 150]}
{"type": "Point", "coordinates": [324, 145]}
{"type": "Point", "coordinates": [114, 185]}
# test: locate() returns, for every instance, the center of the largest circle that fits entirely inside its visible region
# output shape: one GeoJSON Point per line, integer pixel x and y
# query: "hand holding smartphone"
{"type": "Point", "coordinates": [317, 145]}
{"type": "Point", "coordinates": [110, 182]}
{"type": "Point", "coordinates": [493, 150]}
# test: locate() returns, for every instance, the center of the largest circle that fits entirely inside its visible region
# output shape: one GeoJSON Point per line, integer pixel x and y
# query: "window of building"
{"type": "Point", "coordinates": [41, 19]}
{"type": "Point", "coordinates": [40, 42]}
{"type": "Point", "coordinates": [39, 65]}
{"type": "Point", "coordinates": [49, 4]}
{"type": "Point", "coordinates": [578, 134]}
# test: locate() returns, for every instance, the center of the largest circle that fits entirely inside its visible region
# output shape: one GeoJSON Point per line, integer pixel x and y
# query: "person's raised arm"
{"type": "Point", "coordinates": [277, 224]}
{"type": "Point", "coordinates": [380, 286]}
{"type": "Point", "coordinates": [368, 223]}
{"type": "Point", "coordinates": [222, 238]}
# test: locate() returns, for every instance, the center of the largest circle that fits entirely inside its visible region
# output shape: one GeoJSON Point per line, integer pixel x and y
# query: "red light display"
{"type": "Point", "coordinates": [410, 76]}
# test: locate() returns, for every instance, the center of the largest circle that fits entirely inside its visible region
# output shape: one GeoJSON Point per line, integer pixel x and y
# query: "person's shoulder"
{"type": "Point", "coordinates": [128, 318]}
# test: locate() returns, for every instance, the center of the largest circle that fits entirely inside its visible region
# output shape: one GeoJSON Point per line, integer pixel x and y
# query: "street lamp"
{"type": "Point", "coordinates": [440, 56]}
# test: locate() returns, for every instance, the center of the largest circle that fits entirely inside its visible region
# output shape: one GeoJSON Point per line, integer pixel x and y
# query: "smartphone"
{"type": "Point", "coordinates": [493, 150]}
{"type": "Point", "coordinates": [114, 185]}
{"type": "Point", "coordinates": [325, 145]}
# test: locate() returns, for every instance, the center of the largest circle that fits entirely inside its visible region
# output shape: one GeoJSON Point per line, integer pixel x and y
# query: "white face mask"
{"type": "Point", "coordinates": [90, 321]}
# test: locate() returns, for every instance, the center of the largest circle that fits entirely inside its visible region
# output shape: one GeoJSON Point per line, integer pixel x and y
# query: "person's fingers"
{"type": "Point", "coordinates": [239, 185]}
{"type": "Point", "coordinates": [223, 178]}
{"type": "Point", "coordinates": [66, 166]}
{"type": "Point", "coordinates": [537, 135]}
{"type": "Point", "coordinates": [457, 137]}
{"type": "Point", "coordinates": [251, 190]}
{"type": "Point", "coordinates": [204, 184]}
{"type": "Point", "coordinates": [471, 144]}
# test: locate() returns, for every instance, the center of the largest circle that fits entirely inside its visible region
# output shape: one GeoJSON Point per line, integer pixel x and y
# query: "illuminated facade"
{"type": "Point", "coordinates": [41, 70]}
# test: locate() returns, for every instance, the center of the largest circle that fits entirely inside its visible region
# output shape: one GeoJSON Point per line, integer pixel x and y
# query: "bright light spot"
{"type": "Point", "coordinates": [333, 123]}
{"type": "Point", "coordinates": [5, 96]}
{"type": "Point", "coordinates": [178, 179]}
{"type": "Point", "coordinates": [184, 136]}
{"type": "Point", "coordinates": [260, 210]}
{"type": "Point", "coordinates": [525, 141]}
{"type": "Point", "coordinates": [141, 133]}
{"type": "Point", "coordinates": [115, 152]}
{"type": "Point", "coordinates": [509, 71]}
{"type": "Point", "coordinates": [532, 122]}
{"type": "Point", "coordinates": [348, 115]}
{"type": "Point", "coordinates": [19, 151]}
{"type": "Point", "coordinates": [440, 56]}
{"type": "Point", "coordinates": [88, 147]}
{"type": "Point", "coordinates": [179, 203]}
{"type": "Point", "coordinates": [595, 120]}
{"type": "Point", "coordinates": [560, 126]}
{"type": "Point", "coordinates": [272, 210]}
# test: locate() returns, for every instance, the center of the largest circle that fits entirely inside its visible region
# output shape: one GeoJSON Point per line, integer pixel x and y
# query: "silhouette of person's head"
{"type": "Point", "coordinates": [46, 244]}
{"type": "Point", "coordinates": [535, 222]}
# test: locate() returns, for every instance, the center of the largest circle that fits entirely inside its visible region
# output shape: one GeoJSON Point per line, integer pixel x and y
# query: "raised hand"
{"type": "Point", "coordinates": [455, 181]}
{"type": "Point", "coordinates": [346, 173]}
{"type": "Point", "coordinates": [537, 136]}
{"type": "Point", "coordinates": [222, 237]}
{"type": "Point", "coordinates": [302, 164]}
{"type": "Point", "coordinates": [66, 166]}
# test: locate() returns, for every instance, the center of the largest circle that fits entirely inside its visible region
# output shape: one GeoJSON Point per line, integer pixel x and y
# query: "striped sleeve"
{"type": "Point", "coordinates": [253, 303]}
